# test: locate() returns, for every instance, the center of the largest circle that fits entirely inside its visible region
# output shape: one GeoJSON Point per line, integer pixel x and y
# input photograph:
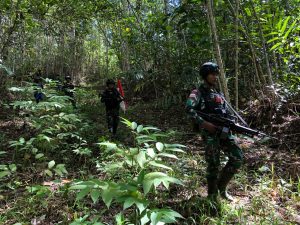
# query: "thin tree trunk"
{"type": "Point", "coordinates": [266, 56]}
{"type": "Point", "coordinates": [217, 49]}
{"type": "Point", "coordinates": [237, 54]}
{"type": "Point", "coordinates": [257, 68]}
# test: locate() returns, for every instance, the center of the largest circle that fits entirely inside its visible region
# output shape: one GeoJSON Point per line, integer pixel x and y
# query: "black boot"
{"type": "Point", "coordinates": [212, 189]}
{"type": "Point", "coordinates": [212, 195]}
{"type": "Point", "coordinates": [225, 177]}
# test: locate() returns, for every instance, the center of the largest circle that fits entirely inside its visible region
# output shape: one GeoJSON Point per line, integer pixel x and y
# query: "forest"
{"type": "Point", "coordinates": [108, 112]}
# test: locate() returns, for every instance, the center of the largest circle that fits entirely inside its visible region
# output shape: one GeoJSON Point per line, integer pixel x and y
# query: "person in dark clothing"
{"type": "Point", "coordinates": [38, 86]}
{"type": "Point", "coordinates": [111, 97]}
{"type": "Point", "coordinates": [208, 100]}
{"type": "Point", "coordinates": [69, 88]}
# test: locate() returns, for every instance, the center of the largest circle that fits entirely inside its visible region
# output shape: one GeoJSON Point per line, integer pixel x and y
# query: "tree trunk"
{"type": "Point", "coordinates": [236, 64]}
{"type": "Point", "coordinates": [266, 56]}
{"type": "Point", "coordinates": [217, 48]}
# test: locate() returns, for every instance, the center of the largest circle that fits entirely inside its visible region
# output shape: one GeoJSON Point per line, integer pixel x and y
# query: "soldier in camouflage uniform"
{"type": "Point", "coordinates": [69, 88]}
{"type": "Point", "coordinates": [208, 100]}
{"type": "Point", "coordinates": [111, 97]}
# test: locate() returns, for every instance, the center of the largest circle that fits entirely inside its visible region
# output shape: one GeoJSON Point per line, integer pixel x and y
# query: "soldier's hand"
{"type": "Point", "coordinates": [209, 127]}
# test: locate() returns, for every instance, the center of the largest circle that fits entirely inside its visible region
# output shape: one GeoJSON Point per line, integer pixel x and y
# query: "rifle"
{"type": "Point", "coordinates": [228, 125]}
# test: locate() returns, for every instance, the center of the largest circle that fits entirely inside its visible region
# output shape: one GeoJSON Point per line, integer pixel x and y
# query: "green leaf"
{"type": "Point", "coordinates": [128, 202]}
{"type": "Point", "coordinates": [273, 39]}
{"type": "Point", "coordinates": [95, 194]}
{"type": "Point", "coordinates": [159, 146]}
{"type": "Point", "coordinates": [40, 155]}
{"type": "Point", "coordinates": [82, 194]}
{"type": "Point", "coordinates": [141, 158]}
{"type": "Point", "coordinates": [49, 173]}
{"type": "Point", "coordinates": [4, 173]}
{"type": "Point", "coordinates": [160, 165]}
{"type": "Point", "coordinates": [51, 164]}
{"type": "Point", "coordinates": [150, 152]}
{"type": "Point", "coordinates": [172, 156]}
{"type": "Point", "coordinates": [276, 46]}
{"type": "Point", "coordinates": [108, 145]}
{"type": "Point", "coordinates": [22, 140]}
{"type": "Point", "coordinates": [107, 197]}
{"type": "Point", "coordinates": [78, 187]}
{"type": "Point", "coordinates": [284, 24]}
{"type": "Point", "coordinates": [133, 125]}
{"type": "Point", "coordinates": [139, 128]}
{"type": "Point", "coordinates": [12, 167]}
{"type": "Point", "coordinates": [2, 152]}
{"type": "Point", "coordinates": [290, 29]}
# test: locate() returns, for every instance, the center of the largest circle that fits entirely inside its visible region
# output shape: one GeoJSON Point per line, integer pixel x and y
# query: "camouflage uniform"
{"type": "Point", "coordinates": [112, 98]}
{"type": "Point", "coordinates": [208, 100]}
{"type": "Point", "coordinates": [38, 86]}
{"type": "Point", "coordinates": [68, 88]}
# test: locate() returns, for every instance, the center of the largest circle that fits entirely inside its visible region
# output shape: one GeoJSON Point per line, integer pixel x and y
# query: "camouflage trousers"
{"type": "Point", "coordinates": [112, 116]}
{"type": "Point", "coordinates": [213, 148]}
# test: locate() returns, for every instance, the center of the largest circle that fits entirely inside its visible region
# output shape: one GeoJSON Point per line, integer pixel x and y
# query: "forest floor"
{"type": "Point", "coordinates": [266, 190]}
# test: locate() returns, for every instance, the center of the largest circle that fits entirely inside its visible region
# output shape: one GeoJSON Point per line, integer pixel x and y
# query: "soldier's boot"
{"type": "Point", "coordinates": [212, 196]}
{"type": "Point", "coordinates": [225, 177]}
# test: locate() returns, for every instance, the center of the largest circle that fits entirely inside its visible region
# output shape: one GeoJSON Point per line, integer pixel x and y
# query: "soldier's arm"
{"type": "Point", "coordinates": [119, 96]}
{"type": "Point", "coordinates": [192, 102]}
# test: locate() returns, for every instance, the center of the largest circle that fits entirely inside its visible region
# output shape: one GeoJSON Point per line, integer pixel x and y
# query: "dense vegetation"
{"type": "Point", "coordinates": [59, 165]}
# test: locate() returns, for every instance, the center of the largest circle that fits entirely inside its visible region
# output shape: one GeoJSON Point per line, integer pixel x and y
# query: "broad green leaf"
{"type": "Point", "coordinates": [159, 146]}
{"type": "Point", "coordinates": [22, 140]}
{"type": "Point", "coordinates": [49, 173]}
{"type": "Point", "coordinates": [12, 167]}
{"type": "Point", "coordinates": [58, 172]}
{"type": "Point", "coordinates": [128, 202]}
{"type": "Point", "coordinates": [95, 194]}
{"type": "Point", "coordinates": [40, 155]}
{"type": "Point", "coordinates": [172, 156]}
{"type": "Point", "coordinates": [108, 145]}
{"type": "Point", "coordinates": [139, 128]}
{"type": "Point", "coordinates": [147, 184]}
{"type": "Point", "coordinates": [133, 125]}
{"type": "Point", "coordinates": [160, 165]}
{"type": "Point", "coordinates": [4, 173]}
{"type": "Point", "coordinates": [2, 152]}
{"type": "Point", "coordinates": [141, 158]}
{"type": "Point", "coordinates": [150, 152]}
{"type": "Point", "coordinates": [78, 187]}
{"type": "Point", "coordinates": [51, 164]}
{"type": "Point", "coordinates": [107, 197]}
{"type": "Point", "coordinates": [82, 194]}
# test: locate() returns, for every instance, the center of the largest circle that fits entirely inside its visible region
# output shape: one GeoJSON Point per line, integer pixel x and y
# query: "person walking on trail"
{"type": "Point", "coordinates": [38, 86]}
{"type": "Point", "coordinates": [208, 100]}
{"type": "Point", "coordinates": [69, 88]}
{"type": "Point", "coordinates": [112, 98]}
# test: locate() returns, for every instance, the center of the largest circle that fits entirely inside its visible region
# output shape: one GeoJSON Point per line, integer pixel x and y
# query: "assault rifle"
{"type": "Point", "coordinates": [226, 125]}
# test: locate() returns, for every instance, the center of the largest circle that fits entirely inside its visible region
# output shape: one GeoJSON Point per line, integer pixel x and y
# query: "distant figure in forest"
{"type": "Point", "coordinates": [111, 97]}
{"type": "Point", "coordinates": [38, 86]}
{"type": "Point", "coordinates": [208, 100]}
{"type": "Point", "coordinates": [69, 89]}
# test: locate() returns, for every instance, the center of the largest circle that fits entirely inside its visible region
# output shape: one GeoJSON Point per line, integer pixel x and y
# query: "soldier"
{"type": "Point", "coordinates": [68, 88]}
{"type": "Point", "coordinates": [112, 98]}
{"type": "Point", "coordinates": [208, 100]}
{"type": "Point", "coordinates": [38, 83]}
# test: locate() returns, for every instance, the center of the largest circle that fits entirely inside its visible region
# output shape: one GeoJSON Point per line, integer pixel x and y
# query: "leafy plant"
{"type": "Point", "coordinates": [144, 170]}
